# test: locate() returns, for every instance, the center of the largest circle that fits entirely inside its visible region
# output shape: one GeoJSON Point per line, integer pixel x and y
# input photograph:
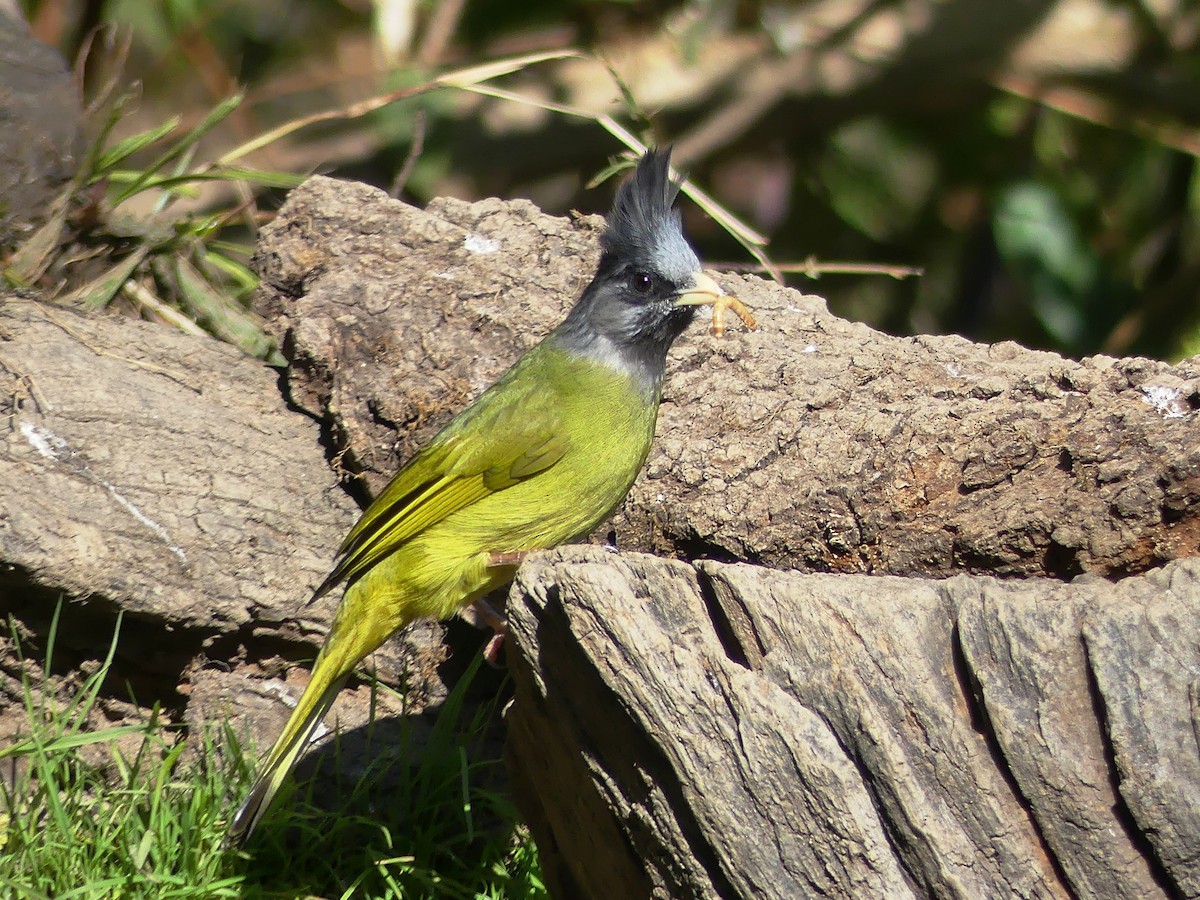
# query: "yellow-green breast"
{"type": "Point", "coordinates": [608, 420]}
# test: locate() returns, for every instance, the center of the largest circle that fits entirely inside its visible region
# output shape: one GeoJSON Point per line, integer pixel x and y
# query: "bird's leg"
{"type": "Point", "coordinates": [488, 613]}
{"type": "Point", "coordinates": [499, 625]}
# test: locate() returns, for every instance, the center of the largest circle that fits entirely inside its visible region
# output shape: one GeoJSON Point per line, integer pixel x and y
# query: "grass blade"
{"type": "Point", "coordinates": [123, 149]}
{"type": "Point", "coordinates": [750, 239]}
{"type": "Point", "coordinates": [99, 292]}
{"type": "Point", "coordinates": [459, 78]}
{"type": "Point", "coordinates": [215, 116]}
{"type": "Point", "coordinates": [217, 313]}
{"type": "Point", "coordinates": [27, 746]}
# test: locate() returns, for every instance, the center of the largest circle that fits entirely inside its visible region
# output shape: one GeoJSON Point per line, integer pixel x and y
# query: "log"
{"type": "Point", "coordinates": [161, 475]}
{"type": "Point", "coordinates": [854, 736]}
{"type": "Point", "coordinates": [905, 768]}
{"type": "Point", "coordinates": [812, 443]}
{"type": "Point", "coordinates": [41, 143]}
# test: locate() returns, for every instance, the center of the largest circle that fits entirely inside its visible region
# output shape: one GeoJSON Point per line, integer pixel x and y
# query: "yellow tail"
{"type": "Point", "coordinates": [344, 648]}
{"type": "Point", "coordinates": [374, 606]}
{"type": "Point", "coordinates": [313, 705]}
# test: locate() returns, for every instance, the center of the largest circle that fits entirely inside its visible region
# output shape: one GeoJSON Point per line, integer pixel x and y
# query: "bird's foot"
{"type": "Point", "coordinates": [487, 614]}
{"type": "Point", "coordinates": [499, 625]}
{"type": "Point", "coordinates": [494, 648]}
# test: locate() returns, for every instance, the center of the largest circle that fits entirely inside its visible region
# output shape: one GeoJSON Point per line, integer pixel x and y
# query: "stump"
{"type": "Point", "coordinates": [855, 736]}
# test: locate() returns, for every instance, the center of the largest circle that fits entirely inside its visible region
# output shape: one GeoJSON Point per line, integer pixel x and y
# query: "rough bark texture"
{"type": "Point", "coordinates": [733, 731]}
{"type": "Point", "coordinates": [152, 472]}
{"type": "Point", "coordinates": [812, 443]}
{"type": "Point", "coordinates": [172, 511]}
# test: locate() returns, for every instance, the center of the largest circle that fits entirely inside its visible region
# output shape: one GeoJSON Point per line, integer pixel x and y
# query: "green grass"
{"type": "Point", "coordinates": [166, 260]}
{"type": "Point", "coordinates": [144, 813]}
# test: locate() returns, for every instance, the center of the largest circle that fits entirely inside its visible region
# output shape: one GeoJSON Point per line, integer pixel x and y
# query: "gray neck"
{"type": "Point", "coordinates": [644, 363]}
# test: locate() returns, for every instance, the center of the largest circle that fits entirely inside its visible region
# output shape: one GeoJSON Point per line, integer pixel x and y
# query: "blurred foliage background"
{"type": "Point", "coordinates": [1036, 159]}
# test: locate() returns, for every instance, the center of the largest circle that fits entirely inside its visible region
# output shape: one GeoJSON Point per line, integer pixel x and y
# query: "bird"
{"type": "Point", "coordinates": [540, 458]}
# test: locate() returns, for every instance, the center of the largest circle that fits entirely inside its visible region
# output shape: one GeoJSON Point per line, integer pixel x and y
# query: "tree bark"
{"type": "Point", "coordinates": [812, 443]}
{"type": "Point", "coordinates": [732, 731]}
{"type": "Point", "coordinates": [162, 475]}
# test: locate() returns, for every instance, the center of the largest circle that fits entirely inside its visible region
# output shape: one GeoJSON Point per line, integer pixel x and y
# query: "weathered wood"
{"type": "Point", "coordinates": [882, 736]}
{"type": "Point", "coordinates": [812, 443]}
{"type": "Point", "coordinates": [720, 731]}
{"type": "Point", "coordinates": [161, 474]}
{"type": "Point", "coordinates": [661, 768]}
{"type": "Point", "coordinates": [143, 465]}
{"type": "Point", "coordinates": [1025, 652]}
{"type": "Point", "coordinates": [1142, 651]}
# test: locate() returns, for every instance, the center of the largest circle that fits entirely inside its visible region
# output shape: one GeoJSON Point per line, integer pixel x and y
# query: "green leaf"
{"type": "Point", "coordinates": [100, 291]}
{"type": "Point", "coordinates": [217, 313]}
{"type": "Point", "coordinates": [175, 182]}
{"type": "Point", "coordinates": [614, 168]}
{"type": "Point", "coordinates": [878, 180]}
{"type": "Point", "coordinates": [1043, 247]}
{"type": "Point", "coordinates": [69, 741]}
{"type": "Point", "coordinates": [240, 274]}
{"type": "Point", "coordinates": [259, 176]}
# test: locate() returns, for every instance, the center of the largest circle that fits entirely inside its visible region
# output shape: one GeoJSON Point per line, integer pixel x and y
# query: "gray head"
{"type": "Point", "coordinates": [631, 312]}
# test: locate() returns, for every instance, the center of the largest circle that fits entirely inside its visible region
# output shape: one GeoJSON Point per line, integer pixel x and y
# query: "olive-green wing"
{"type": "Point", "coordinates": [507, 436]}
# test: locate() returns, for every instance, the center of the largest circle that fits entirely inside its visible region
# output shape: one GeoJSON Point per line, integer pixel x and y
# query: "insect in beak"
{"type": "Point", "coordinates": [703, 291]}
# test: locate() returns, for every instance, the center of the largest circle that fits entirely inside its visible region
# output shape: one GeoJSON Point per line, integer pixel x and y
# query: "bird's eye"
{"type": "Point", "coordinates": [642, 282]}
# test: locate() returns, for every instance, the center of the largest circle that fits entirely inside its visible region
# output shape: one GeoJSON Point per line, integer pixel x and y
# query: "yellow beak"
{"type": "Point", "coordinates": [706, 292]}
{"type": "Point", "coordinates": [702, 292]}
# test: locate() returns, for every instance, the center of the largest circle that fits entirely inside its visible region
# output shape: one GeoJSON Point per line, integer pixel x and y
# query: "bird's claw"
{"type": "Point", "coordinates": [495, 646]}
{"type": "Point", "coordinates": [499, 625]}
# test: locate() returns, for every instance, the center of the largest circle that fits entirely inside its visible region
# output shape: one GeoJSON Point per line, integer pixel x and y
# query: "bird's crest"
{"type": "Point", "coordinates": [644, 227]}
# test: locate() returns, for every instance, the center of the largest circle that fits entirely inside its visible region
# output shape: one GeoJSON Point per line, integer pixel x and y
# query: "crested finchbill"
{"type": "Point", "coordinates": [542, 457]}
